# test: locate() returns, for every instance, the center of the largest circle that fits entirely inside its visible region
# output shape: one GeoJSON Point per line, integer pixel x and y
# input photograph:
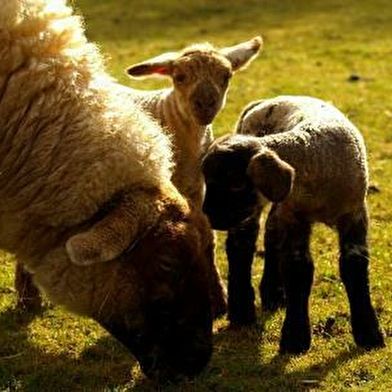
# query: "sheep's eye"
{"type": "Point", "coordinates": [180, 78]}
{"type": "Point", "coordinates": [166, 265]}
{"type": "Point", "coordinates": [238, 188]}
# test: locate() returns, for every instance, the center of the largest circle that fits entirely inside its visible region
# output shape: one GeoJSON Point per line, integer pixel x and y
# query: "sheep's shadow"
{"type": "Point", "coordinates": [24, 363]}
{"type": "Point", "coordinates": [110, 365]}
{"type": "Point", "coordinates": [244, 344]}
{"type": "Point", "coordinates": [310, 377]}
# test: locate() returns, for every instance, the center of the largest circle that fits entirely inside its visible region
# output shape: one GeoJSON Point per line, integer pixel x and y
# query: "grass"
{"type": "Point", "coordinates": [311, 48]}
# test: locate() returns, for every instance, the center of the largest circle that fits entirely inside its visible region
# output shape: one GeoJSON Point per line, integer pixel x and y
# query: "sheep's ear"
{"type": "Point", "coordinates": [247, 109]}
{"type": "Point", "coordinates": [161, 65]}
{"type": "Point", "coordinates": [242, 54]}
{"type": "Point", "coordinates": [272, 176]}
{"type": "Point", "coordinates": [103, 242]}
{"type": "Point", "coordinates": [108, 238]}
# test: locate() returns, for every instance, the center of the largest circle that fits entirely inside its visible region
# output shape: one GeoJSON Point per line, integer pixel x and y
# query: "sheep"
{"type": "Point", "coordinates": [303, 155]}
{"type": "Point", "coordinates": [87, 205]}
{"type": "Point", "coordinates": [200, 75]}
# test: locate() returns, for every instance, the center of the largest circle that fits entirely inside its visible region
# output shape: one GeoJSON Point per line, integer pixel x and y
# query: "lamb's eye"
{"type": "Point", "coordinates": [166, 265]}
{"type": "Point", "coordinates": [238, 187]}
{"type": "Point", "coordinates": [180, 78]}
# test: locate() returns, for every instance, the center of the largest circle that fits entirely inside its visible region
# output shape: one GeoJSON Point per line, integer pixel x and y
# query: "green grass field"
{"type": "Point", "coordinates": [312, 47]}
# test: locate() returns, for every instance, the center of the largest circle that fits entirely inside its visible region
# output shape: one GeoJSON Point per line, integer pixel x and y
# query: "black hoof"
{"type": "Point", "coordinates": [242, 319]}
{"type": "Point", "coordinates": [370, 341]}
{"type": "Point", "coordinates": [295, 340]}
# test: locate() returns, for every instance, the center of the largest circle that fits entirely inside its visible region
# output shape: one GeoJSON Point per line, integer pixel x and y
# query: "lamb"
{"type": "Point", "coordinates": [200, 74]}
{"type": "Point", "coordinates": [86, 201]}
{"type": "Point", "coordinates": [303, 155]}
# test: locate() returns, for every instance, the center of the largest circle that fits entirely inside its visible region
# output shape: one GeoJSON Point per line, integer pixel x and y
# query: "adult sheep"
{"type": "Point", "coordinates": [200, 74]}
{"type": "Point", "coordinates": [309, 160]}
{"type": "Point", "coordinates": [86, 201]}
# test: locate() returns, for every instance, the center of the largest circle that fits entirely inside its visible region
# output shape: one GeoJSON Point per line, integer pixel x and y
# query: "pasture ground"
{"type": "Point", "coordinates": [338, 51]}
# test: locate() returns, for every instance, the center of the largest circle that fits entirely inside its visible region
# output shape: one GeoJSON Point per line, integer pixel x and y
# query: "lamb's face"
{"type": "Point", "coordinates": [200, 74]}
{"type": "Point", "coordinates": [241, 176]}
{"type": "Point", "coordinates": [201, 81]}
{"type": "Point", "coordinates": [230, 196]}
{"type": "Point", "coordinates": [166, 322]}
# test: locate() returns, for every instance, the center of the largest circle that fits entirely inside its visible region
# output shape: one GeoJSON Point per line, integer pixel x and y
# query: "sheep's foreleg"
{"type": "Point", "coordinates": [297, 271]}
{"type": "Point", "coordinates": [271, 286]}
{"type": "Point", "coordinates": [28, 296]}
{"type": "Point", "coordinates": [353, 263]}
{"type": "Point", "coordinates": [240, 248]}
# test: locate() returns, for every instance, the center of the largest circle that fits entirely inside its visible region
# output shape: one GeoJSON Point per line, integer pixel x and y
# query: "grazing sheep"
{"type": "Point", "coordinates": [86, 201]}
{"type": "Point", "coordinates": [309, 160]}
{"type": "Point", "coordinates": [200, 74]}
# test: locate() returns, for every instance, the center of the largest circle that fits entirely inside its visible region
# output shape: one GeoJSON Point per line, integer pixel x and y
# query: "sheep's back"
{"type": "Point", "coordinates": [325, 148]}
{"type": "Point", "coordinates": [69, 138]}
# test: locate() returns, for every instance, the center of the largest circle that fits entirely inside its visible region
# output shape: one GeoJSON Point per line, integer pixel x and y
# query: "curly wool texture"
{"type": "Point", "coordinates": [67, 133]}
{"type": "Point", "coordinates": [325, 148]}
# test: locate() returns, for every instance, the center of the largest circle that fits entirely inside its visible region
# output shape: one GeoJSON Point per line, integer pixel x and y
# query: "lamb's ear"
{"type": "Point", "coordinates": [242, 54]}
{"type": "Point", "coordinates": [246, 110]}
{"type": "Point", "coordinates": [109, 237]}
{"type": "Point", "coordinates": [271, 175]}
{"type": "Point", "coordinates": [160, 65]}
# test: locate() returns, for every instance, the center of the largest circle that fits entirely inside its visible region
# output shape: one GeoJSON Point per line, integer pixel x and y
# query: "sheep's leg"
{"type": "Point", "coordinates": [297, 271]}
{"type": "Point", "coordinates": [28, 296]}
{"type": "Point", "coordinates": [217, 289]}
{"type": "Point", "coordinates": [271, 286]}
{"type": "Point", "coordinates": [353, 263]}
{"type": "Point", "coordinates": [240, 248]}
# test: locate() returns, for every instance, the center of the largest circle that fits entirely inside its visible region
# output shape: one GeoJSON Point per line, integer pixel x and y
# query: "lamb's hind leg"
{"type": "Point", "coordinates": [353, 263]}
{"type": "Point", "coordinates": [28, 296]}
{"type": "Point", "coordinates": [297, 272]}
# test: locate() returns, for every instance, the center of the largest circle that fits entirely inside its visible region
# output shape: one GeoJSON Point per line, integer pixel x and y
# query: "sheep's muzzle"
{"type": "Point", "coordinates": [167, 349]}
{"type": "Point", "coordinates": [207, 101]}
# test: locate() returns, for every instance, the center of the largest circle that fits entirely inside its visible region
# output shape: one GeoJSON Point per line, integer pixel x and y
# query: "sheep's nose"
{"type": "Point", "coordinates": [205, 102]}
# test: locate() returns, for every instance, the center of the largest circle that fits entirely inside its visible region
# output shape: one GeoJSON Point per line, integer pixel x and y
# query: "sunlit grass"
{"type": "Point", "coordinates": [310, 48]}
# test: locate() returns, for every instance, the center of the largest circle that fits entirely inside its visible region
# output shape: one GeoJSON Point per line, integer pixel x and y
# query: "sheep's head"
{"type": "Point", "coordinates": [241, 176]}
{"type": "Point", "coordinates": [200, 75]}
{"type": "Point", "coordinates": [151, 288]}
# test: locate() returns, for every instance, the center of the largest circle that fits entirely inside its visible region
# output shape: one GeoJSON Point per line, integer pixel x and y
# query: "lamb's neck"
{"type": "Point", "coordinates": [164, 107]}
{"type": "Point", "coordinates": [190, 142]}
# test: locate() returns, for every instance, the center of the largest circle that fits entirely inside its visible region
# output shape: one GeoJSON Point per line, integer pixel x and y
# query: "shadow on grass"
{"type": "Point", "coordinates": [26, 366]}
{"type": "Point", "coordinates": [310, 377]}
{"type": "Point", "coordinates": [106, 365]}
{"type": "Point", "coordinates": [271, 375]}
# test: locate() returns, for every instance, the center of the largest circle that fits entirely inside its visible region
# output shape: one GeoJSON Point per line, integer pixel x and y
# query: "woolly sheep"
{"type": "Point", "coordinates": [86, 201]}
{"type": "Point", "coordinates": [309, 160]}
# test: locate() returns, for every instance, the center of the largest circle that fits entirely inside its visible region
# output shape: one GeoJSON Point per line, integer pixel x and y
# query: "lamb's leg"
{"type": "Point", "coordinates": [28, 296]}
{"type": "Point", "coordinates": [271, 286]}
{"type": "Point", "coordinates": [297, 271]}
{"type": "Point", "coordinates": [353, 263]}
{"type": "Point", "coordinates": [240, 249]}
{"type": "Point", "coordinates": [217, 288]}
